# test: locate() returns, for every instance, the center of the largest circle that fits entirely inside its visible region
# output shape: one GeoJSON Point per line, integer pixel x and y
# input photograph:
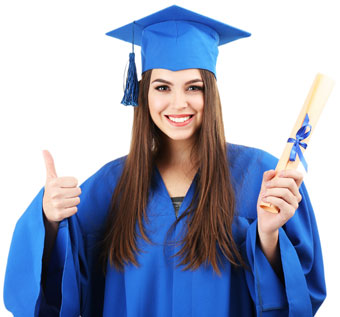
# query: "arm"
{"type": "Point", "coordinates": [301, 289]}
{"type": "Point", "coordinates": [51, 231]}
{"type": "Point", "coordinates": [269, 244]}
{"type": "Point", "coordinates": [70, 274]}
{"type": "Point", "coordinates": [287, 274]}
{"type": "Point", "coordinates": [281, 190]}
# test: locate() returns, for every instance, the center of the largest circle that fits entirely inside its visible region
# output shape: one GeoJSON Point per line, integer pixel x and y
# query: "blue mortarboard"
{"type": "Point", "coordinates": [175, 39]}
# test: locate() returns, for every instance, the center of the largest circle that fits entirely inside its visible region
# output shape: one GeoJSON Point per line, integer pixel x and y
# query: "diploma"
{"type": "Point", "coordinates": [303, 128]}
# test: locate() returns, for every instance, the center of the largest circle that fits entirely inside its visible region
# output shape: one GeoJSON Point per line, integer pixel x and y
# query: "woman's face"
{"type": "Point", "coordinates": [176, 101]}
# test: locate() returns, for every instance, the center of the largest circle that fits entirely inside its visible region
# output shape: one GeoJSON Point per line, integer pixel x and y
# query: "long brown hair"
{"type": "Point", "coordinates": [209, 216]}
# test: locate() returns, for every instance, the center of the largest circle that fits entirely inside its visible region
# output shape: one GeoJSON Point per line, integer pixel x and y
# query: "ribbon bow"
{"type": "Point", "coordinates": [301, 134]}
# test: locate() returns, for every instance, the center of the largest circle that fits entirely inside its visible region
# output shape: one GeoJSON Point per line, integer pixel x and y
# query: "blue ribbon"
{"type": "Point", "coordinates": [300, 135]}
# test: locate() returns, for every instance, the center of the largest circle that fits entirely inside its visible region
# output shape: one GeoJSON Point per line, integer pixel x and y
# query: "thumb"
{"type": "Point", "coordinates": [49, 163]}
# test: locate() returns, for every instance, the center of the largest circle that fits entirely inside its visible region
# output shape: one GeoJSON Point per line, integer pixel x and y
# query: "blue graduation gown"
{"type": "Point", "coordinates": [77, 286]}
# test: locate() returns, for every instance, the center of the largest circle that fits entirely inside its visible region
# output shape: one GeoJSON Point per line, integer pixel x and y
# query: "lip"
{"type": "Point", "coordinates": [180, 124]}
{"type": "Point", "coordinates": [178, 115]}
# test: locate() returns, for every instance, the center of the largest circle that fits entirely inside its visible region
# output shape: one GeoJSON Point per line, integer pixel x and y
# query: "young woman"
{"type": "Point", "coordinates": [175, 227]}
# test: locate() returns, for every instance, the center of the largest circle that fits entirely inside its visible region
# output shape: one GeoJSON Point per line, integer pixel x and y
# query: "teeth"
{"type": "Point", "coordinates": [179, 119]}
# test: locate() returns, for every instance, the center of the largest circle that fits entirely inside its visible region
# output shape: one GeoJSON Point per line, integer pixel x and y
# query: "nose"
{"type": "Point", "coordinates": [179, 100]}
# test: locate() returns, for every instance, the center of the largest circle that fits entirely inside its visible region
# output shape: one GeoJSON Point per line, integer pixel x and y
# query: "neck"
{"type": "Point", "coordinates": [177, 152]}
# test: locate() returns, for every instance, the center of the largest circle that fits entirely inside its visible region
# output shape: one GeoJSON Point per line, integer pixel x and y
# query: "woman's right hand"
{"type": "Point", "coordinates": [61, 195]}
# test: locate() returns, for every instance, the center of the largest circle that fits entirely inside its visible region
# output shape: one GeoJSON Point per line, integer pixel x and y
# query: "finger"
{"type": "Point", "coordinates": [70, 192]}
{"type": "Point", "coordinates": [70, 211]}
{"type": "Point", "coordinates": [285, 209]}
{"type": "Point", "coordinates": [281, 182]}
{"type": "Point", "coordinates": [66, 213]}
{"type": "Point", "coordinates": [296, 175]}
{"type": "Point", "coordinates": [49, 164]}
{"type": "Point", "coordinates": [67, 203]}
{"type": "Point", "coordinates": [268, 175]}
{"type": "Point", "coordinates": [283, 193]}
{"type": "Point", "coordinates": [66, 182]}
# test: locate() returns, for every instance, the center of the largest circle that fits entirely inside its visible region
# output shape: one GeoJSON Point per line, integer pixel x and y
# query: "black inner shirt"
{"type": "Point", "coordinates": [177, 201]}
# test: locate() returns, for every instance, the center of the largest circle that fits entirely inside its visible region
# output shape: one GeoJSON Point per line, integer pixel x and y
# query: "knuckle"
{"type": "Point", "coordinates": [57, 204]}
{"type": "Point", "coordinates": [59, 215]}
{"type": "Point", "coordinates": [299, 175]}
{"type": "Point", "coordinates": [281, 204]}
{"type": "Point", "coordinates": [71, 211]}
{"type": "Point", "coordinates": [295, 204]}
{"type": "Point", "coordinates": [291, 182]}
{"type": "Point", "coordinates": [54, 194]}
{"type": "Point", "coordinates": [53, 182]}
{"type": "Point", "coordinates": [286, 193]}
{"type": "Point", "coordinates": [74, 181]}
{"type": "Point", "coordinates": [289, 213]}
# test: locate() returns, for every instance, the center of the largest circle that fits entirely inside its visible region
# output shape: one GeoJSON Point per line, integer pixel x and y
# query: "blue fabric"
{"type": "Point", "coordinates": [175, 38]}
{"type": "Point", "coordinates": [177, 45]}
{"type": "Point", "coordinates": [159, 288]}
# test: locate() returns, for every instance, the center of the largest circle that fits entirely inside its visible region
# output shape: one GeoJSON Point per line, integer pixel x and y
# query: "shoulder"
{"type": "Point", "coordinates": [245, 156]}
{"type": "Point", "coordinates": [96, 194]}
{"type": "Point", "coordinates": [110, 171]}
{"type": "Point", "coordinates": [114, 166]}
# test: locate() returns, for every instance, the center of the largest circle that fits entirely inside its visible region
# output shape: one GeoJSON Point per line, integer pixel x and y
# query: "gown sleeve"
{"type": "Point", "coordinates": [303, 289]}
{"type": "Point", "coordinates": [71, 268]}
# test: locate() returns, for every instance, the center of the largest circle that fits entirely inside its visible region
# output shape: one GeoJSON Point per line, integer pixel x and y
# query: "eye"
{"type": "Point", "coordinates": [162, 88]}
{"type": "Point", "coordinates": [196, 88]}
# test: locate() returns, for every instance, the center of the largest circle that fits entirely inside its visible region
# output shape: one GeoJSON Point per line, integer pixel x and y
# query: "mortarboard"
{"type": "Point", "coordinates": [174, 39]}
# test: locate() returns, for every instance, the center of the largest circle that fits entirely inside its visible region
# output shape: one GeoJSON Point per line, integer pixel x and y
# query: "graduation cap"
{"type": "Point", "coordinates": [174, 39]}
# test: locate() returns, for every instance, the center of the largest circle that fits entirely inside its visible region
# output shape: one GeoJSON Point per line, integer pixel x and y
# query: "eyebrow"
{"type": "Point", "coordinates": [160, 80]}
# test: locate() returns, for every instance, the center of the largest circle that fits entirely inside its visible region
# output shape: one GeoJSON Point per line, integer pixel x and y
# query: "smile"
{"type": "Point", "coordinates": [180, 120]}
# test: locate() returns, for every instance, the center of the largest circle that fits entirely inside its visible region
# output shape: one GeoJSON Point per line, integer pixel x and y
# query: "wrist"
{"type": "Point", "coordinates": [268, 242]}
{"type": "Point", "coordinates": [50, 224]}
{"type": "Point", "coordinates": [268, 236]}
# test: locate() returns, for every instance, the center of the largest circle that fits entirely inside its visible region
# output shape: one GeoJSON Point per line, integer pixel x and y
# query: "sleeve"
{"type": "Point", "coordinates": [304, 287]}
{"type": "Point", "coordinates": [70, 280]}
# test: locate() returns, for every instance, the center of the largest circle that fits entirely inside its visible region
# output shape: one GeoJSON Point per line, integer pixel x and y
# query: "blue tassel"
{"type": "Point", "coordinates": [132, 87]}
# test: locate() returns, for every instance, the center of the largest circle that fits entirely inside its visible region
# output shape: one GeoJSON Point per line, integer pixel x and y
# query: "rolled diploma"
{"type": "Point", "coordinates": [314, 104]}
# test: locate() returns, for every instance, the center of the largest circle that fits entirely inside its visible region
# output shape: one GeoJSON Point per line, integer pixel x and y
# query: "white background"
{"type": "Point", "coordinates": [61, 84]}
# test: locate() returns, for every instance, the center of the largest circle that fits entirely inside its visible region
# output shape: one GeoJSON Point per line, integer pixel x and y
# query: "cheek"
{"type": "Point", "coordinates": [156, 105]}
{"type": "Point", "coordinates": [198, 104]}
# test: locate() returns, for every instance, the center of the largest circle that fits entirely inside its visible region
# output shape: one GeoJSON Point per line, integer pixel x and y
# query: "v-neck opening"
{"type": "Point", "coordinates": [165, 192]}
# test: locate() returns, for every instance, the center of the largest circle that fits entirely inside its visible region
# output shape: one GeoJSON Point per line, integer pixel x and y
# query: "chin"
{"type": "Point", "coordinates": [180, 136]}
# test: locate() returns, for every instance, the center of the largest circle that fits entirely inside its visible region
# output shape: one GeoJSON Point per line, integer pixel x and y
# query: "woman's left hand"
{"type": "Point", "coordinates": [283, 192]}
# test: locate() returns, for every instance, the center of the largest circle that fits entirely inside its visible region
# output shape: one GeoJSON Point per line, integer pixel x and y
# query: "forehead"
{"type": "Point", "coordinates": [176, 76]}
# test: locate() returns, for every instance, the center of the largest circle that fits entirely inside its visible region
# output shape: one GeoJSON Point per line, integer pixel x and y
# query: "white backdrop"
{"type": "Point", "coordinates": [61, 84]}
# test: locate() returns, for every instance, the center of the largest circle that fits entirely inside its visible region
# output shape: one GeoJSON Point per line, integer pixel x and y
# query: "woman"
{"type": "Point", "coordinates": [219, 254]}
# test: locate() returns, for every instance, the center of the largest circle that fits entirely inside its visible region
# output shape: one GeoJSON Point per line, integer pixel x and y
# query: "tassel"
{"type": "Point", "coordinates": [131, 87]}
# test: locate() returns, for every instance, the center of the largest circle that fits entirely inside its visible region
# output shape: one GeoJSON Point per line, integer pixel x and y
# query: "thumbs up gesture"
{"type": "Point", "coordinates": [61, 195]}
